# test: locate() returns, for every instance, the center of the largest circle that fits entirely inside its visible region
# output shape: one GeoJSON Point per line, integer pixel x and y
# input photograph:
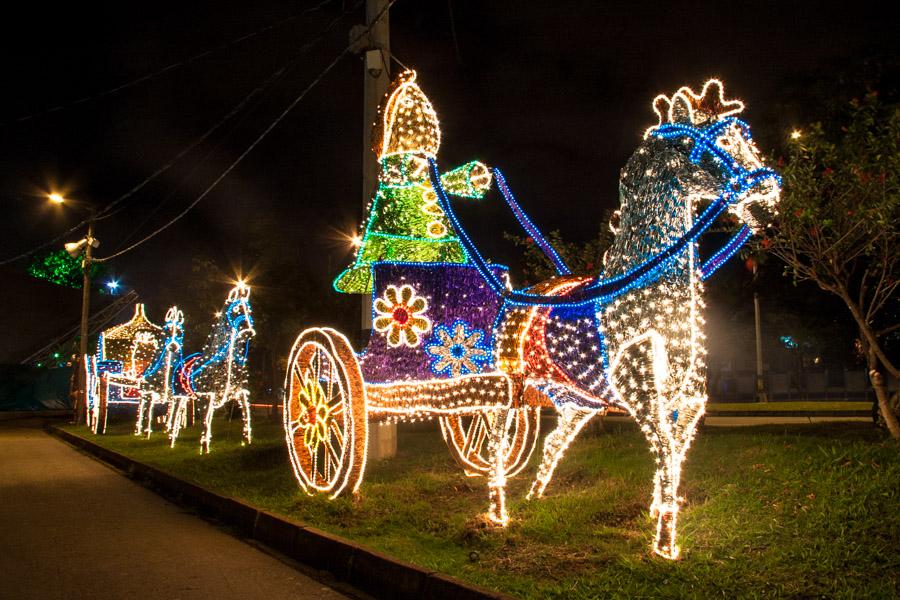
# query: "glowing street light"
{"type": "Point", "coordinates": [796, 134]}
{"type": "Point", "coordinates": [55, 198]}
{"type": "Point", "coordinates": [112, 285]}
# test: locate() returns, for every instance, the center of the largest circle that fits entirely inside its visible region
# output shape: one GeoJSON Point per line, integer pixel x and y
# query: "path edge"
{"type": "Point", "coordinates": [367, 570]}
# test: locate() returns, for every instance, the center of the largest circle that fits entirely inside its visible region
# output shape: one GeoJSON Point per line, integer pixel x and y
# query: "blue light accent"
{"type": "Point", "coordinates": [789, 342]}
{"type": "Point", "coordinates": [529, 227]}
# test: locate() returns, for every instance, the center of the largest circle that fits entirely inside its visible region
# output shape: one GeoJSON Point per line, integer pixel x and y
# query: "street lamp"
{"type": "Point", "coordinates": [82, 248]}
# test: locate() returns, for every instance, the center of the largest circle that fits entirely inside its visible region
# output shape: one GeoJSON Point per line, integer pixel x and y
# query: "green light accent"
{"type": "Point", "coordinates": [405, 223]}
{"type": "Point", "coordinates": [60, 268]}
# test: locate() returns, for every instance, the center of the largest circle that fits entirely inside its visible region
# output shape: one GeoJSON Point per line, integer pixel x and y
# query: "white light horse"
{"type": "Point", "coordinates": [633, 337]}
{"type": "Point", "coordinates": [219, 373]}
{"type": "Point", "coordinates": [158, 384]}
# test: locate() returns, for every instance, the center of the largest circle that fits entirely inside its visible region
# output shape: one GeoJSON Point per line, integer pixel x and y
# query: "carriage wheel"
{"type": "Point", "coordinates": [468, 438]}
{"type": "Point", "coordinates": [325, 413]}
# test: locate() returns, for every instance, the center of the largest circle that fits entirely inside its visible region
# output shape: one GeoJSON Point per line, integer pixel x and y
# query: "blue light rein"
{"type": "Point", "coordinates": [599, 290]}
{"type": "Point", "coordinates": [529, 227]}
{"type": "Point", "coordinates": [726, 252]}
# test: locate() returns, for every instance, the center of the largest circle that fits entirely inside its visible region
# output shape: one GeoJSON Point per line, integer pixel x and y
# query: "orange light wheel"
{"type": "Point", "coordinates": [468, 438]}
{"type": "Point", "coordinates": [325, 413]}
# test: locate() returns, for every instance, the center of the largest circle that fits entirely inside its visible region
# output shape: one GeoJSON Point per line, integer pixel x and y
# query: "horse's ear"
{"type": "Point", "coordinates": [680, 109]}
{"type": "Point", "coordinates": [661, 106]}
{"type": "Point", "coordinates": [179, 317]}
{"type": "Point", "coordinates": [712, 102]}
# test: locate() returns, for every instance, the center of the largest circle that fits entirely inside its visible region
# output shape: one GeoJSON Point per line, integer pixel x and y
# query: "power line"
{"type": "Point", "coordinates": [44, 245]}
{"type": "Point", "coordinates": [108, 211]}
{"type": "Point", "coordinates": [164, 70]}
{"type": "Point", "coordinates": [274, 77]}
{"type": "Point", "coordinates": [253, 145]}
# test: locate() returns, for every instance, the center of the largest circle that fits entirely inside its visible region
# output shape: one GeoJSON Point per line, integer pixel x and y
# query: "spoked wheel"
{"type": "Point", "coordinates": [468, 438]}
{"type": "Point", "coordinates": [325, 413]}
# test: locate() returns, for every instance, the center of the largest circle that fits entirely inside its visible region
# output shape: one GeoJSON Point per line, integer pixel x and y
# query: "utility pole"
{"type": "Point", "coordinates": [81, 406]}
{"type": "Point", "coordinates": [376, 50]}
{"type": "Point", "coordinates": [761, 395]}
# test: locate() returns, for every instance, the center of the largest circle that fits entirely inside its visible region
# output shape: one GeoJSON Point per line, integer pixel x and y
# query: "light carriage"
{"type": "Point", "coordinates": [127, 365]}
{"type": "Point", "coordinates": [452, 339]}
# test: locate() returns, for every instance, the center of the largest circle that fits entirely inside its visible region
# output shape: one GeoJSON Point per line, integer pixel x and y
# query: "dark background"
{"type": "Point", "coordinates": [556, 94]}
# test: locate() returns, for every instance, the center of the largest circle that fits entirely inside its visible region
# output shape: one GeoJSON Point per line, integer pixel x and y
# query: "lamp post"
{"type": "Point", "coordinates": [85, 247]}
{"type": "Point", "coordinates": [761, 395]}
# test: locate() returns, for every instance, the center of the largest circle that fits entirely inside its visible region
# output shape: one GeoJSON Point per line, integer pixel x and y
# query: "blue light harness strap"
{"type": "Point", "coordinates": [718, 259]}
{"type": "Point", "coordinates": [529, 227]}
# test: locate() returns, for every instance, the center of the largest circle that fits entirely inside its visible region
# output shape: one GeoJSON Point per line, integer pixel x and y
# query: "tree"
{"type": "Point", "coordinates": [839, 224]}
{"type": "Point", "coordinates": [60, 268]}
{"type": "Point", "coordinates": [582, 258]}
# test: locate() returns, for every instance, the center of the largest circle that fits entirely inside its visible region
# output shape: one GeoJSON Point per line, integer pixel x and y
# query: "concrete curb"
{"type": "Point", "coordinates": [367, 570]}
{"type": "Point", "coordinates": [788, 413]}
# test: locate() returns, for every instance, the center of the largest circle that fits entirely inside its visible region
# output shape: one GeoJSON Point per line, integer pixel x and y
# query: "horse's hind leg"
{"type": "Point", "coordinates": [176, 418]}
{"type": "Point", "coordinates": [571, 420]}
{"type": "Point", "coordinates": [497, 450]}
{"type": "Point", "coordinates": [244, 399]}
{"type": "Point", "coordinates": [149, 428]}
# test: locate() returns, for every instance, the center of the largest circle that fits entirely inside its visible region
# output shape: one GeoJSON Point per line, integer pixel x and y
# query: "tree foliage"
{"type": "Point", "coordinates": [839, 220]}
{"type": "Point", "coordinates": [585, 258]}
{"type": "Point", "coordinates": [60, 268]}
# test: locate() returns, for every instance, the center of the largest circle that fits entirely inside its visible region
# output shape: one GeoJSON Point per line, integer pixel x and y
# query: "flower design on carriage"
{"type": "Point", "coordinates": [315, 412]}
{"type": "Point", "coordinates": [457, 349]}
{"type": "Point", "coordinates": [401, 316]}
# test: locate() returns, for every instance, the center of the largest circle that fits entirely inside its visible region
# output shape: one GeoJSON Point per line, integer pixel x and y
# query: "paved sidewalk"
{"type": "Point", "coordinates": [72, 528]}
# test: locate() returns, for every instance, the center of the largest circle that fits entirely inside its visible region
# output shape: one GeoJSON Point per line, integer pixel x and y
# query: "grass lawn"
{"type": "Point", "coordinates": [789, 511]}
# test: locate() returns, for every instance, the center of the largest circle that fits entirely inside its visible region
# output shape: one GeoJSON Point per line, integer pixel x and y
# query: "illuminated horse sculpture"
{"type": "Point", "coordinates": [632, 338]}
{"type": "Point", "coordinates": [158, 383]}
{"type": "Point", "coordinates": [219, 373]}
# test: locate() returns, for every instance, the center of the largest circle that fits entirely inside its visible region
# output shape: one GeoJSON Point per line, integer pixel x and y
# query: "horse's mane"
{"type": "Point", "coordinates": [652, 190]}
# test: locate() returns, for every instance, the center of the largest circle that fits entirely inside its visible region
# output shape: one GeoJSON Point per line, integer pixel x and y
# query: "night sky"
{"type": "Point", "coordinates": [556, 94]}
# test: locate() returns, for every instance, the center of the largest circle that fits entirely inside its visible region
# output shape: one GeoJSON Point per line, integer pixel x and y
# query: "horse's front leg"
{"type": "Point", "coordinates": [668, 413]}
{"type": "Point", "coordinates": [177, 418]}
{"type": "Point", "coordinates": [571, 419]}
{"type": "Point", "coordinates": [154, 400]}
{"type": "Point", "coordinates": [206, 437]}
{"type": "Point", "coordinates": [244, 399]}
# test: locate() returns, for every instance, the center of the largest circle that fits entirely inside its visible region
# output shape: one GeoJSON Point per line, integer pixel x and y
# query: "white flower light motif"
{"type": "Point", "coordinates": [458, 350]}
{"type": "Point", "coordinates": [401, 316]}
